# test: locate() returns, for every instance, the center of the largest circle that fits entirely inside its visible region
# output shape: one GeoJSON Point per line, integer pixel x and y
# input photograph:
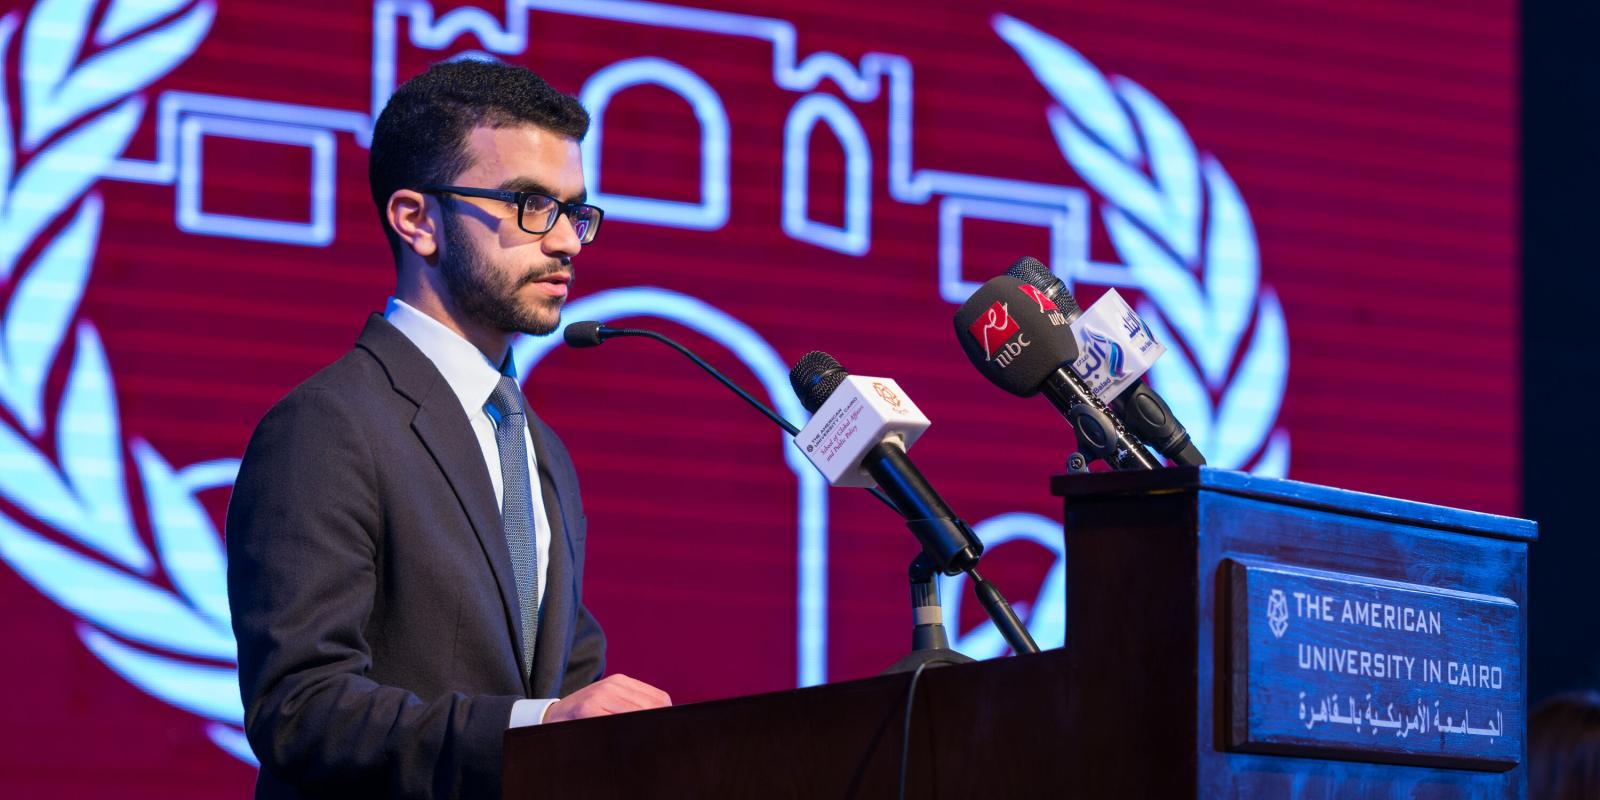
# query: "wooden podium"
{"type": "Point", "coordinates": [1227, 636]}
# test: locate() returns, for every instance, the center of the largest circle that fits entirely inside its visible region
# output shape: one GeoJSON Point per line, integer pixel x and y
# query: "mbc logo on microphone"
{"type": "Point", "coordinates": [1047, 307]}
{"type": "Point", "coordinates": [994, 329]}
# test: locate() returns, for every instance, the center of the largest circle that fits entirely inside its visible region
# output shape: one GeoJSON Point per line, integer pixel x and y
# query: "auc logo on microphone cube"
{"type": "Point", "coordinates": [891, 397]}
{"type": "Point", "coordinates": [857, 417]}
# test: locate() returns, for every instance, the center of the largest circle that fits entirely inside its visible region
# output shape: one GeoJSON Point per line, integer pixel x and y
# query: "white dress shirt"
{"type": "Point", "coordinates": [473, 377]}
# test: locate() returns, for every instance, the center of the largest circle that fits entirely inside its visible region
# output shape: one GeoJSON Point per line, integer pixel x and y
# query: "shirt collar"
{"type": "Point", "coordinates": [471, 375]}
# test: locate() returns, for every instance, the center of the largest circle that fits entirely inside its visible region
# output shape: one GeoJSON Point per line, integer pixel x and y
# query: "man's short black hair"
{"type": "Point", "coordinates": [421, 136]}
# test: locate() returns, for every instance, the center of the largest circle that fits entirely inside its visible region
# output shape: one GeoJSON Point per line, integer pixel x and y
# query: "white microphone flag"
{"type": "Point", "coordinates": [1114, 346]}
{"type": "Point", "coordinates": [857, 417]}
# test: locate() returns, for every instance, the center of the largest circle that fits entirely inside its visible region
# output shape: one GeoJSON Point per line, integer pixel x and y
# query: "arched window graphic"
{"type": "Point", "coordinates": [711, 212]}
{"type": "Point", "coordinates": [811, 525]}
{"type": "Point", "coordinates": [856, 235]}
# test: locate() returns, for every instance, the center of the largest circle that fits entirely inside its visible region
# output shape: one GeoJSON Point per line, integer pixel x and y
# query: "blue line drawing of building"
{"type": "Point", "coordinates": [186, 120]}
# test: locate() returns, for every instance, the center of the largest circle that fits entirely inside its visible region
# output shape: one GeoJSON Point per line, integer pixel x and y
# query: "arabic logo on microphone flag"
{"type": "Point", "coordinates": [1102, 350]}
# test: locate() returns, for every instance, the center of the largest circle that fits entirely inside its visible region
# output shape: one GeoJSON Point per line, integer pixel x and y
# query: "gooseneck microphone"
{"type": "Point", "coordinates": [1026, 347]}
{"type": "Point", "coordinates": [589, 333]}
{"type": "Point", "coordinates": [945, 538]}
{"type": "Point", "coordinates": [1139, 406]}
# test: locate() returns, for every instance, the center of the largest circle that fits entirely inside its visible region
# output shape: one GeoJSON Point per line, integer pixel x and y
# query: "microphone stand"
{"type": "Point", "coordinates": [923, 569]}
{"type": "Point", "coordinates": [929, 644]}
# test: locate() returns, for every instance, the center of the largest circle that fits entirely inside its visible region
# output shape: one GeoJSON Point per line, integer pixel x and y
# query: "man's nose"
{"type": "Point", "coordinates": [562, 240]}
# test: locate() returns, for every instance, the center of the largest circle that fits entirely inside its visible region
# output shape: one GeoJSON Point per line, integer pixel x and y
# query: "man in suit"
{"type": "Point", "coordinates": [405, 539]}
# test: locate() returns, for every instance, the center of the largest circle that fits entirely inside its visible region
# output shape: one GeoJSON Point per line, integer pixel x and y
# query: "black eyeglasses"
{"type": "Point", "coordinates": [536, 211]}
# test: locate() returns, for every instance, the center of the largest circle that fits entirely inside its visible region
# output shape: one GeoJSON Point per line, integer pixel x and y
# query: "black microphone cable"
{"type": "Point", "coordinates": [905, 732]}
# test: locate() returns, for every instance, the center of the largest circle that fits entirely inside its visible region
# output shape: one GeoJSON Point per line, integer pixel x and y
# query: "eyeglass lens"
{"type": "Point", "coordinates": [539, 215]}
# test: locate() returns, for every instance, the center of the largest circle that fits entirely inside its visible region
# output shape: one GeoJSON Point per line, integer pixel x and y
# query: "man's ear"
{"type": "Point", "coordinates": [407, 213]}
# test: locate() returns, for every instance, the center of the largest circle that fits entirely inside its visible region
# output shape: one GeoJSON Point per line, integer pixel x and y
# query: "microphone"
{"type": "Point", "coordinates": [1025, 346]}
{"type": "Point", "coordinates": [851, 414]}
{"type": "Point", "coordinates": [588, 333]}
{"type": "Point", "coordinates": [858, 434]}
{"type": "Point", "coordinates": [1141, 408]}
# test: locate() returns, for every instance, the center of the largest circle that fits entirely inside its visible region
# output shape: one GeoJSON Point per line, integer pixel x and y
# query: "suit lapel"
{"type": "Point", "coordinates": [443, 429]}
{"type": "Point", "coordinates": [559, 605]}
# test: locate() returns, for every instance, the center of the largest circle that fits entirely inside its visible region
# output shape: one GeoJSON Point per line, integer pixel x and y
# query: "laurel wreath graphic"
{"type": "Point", "coordinates": [1179, 223]}
{"type": "Point", "coordinates": [156, 614]}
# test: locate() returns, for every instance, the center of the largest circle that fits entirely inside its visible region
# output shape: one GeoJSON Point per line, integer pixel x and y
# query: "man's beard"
{"type": "Point", "coordinates": [487, 297]}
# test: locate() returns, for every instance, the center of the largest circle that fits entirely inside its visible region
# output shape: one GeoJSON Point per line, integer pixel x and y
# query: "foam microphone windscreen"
{"type": "Point", "coordinates": [583, 334]}
{"type": "Point", "coordinates": [1014, 334]}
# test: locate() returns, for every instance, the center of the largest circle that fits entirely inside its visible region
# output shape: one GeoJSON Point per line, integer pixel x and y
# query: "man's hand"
{"type": "Point", "coordinates": [613, 694]}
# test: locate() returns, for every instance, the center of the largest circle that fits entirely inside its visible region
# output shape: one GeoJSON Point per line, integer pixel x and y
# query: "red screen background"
{"type": "Point", "coordinates": [1373, 144]}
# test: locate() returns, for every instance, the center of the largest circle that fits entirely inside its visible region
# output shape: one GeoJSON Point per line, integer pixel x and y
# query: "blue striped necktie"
{"type": "Point", "coordinates": [516, 507]}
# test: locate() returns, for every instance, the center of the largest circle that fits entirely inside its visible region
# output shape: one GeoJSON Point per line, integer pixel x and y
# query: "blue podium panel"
{"type": "Point", "coordinates": [1259, 637]}
{"type": "Point", "coordinates": [1349, 666]}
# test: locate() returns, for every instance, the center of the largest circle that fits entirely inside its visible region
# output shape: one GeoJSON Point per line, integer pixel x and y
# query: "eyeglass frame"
{"type": "Point", "coordinates": [520, 200]}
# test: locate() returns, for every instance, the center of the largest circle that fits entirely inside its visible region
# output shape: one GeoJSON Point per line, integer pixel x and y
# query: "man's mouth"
{"type": "Point", "coordinates": [559, 277]}
{"type": "Point", "coordinates": [555, 283]}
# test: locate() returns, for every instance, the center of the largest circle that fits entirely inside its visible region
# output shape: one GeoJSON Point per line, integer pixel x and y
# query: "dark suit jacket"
{"type": "Point", "coordinates": [371, 586]}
